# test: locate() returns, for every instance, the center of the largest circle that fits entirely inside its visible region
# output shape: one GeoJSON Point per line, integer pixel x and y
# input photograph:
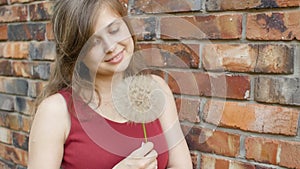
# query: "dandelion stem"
{"type": "Point", "coordinates": [145, 132]}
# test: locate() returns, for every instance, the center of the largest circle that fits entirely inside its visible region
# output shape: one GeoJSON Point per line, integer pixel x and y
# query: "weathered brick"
{"type": "Point", "coordinates": [16, 50]}
{"type": "Point", "coordinates": [221, 5]}
{"type": "Point", "coordinates": [206, 84]}
{"type": "Point", "coordinates": [14, 121]}
{"type": "Point", "coordinates": [188, 109]}
{"type": "Point", "coordinates": [289, 154]}
{"type": "Point", "coordinates": [170, 55]}
{"type": "Point", "coordinates": [49, 32]}
{"type": "Point", "coordinates": [41, 70]}
{"type": "Point", "coordinates": [206, 140]}
{"type": "Point", "coordinates": [226, 26]}
{"type": "Point", "coordinates": [259, 58]}
{"type": "Point", "coordinates": [5, 135]}
{"type": "Point", "coordinates": [13, 154]}
{"type": "Point", "coordinates": [42, 50]}
{"type": "Point", "coordinates": [21, 69]}
{"type": "Point", "coordinates": [13, 13]}
{"type": "Point", "coordinates": [26, 31]}
{"type": "Point", "coordinates": [284, 153]}
{"type": "Point", "coordinates": [275, 59]}
{"type": "Point", "coordinates": [14, 86]}
{"type": "Point", "coordinates": [163, 6]}
{"type": "Point", "coordinates": [195, 159]}
{"type": "Point", "coordinates": [6, 102]}
{"type": "Point", "coordinates": [3, 32]}
{"type": "Point", "coordinates": [144, 28]}
{"type": "Point", "coordinates": [3, 2]}
{"type": "Point", "coordinates": [4, 118]}
{"type": "Point", "coordinates": [24, 105]}
{"type": "Point", "coordinates": [252, 117]}
{"type": "Point", "coordinates": [7, 165]}
{"type": "Point", "coordinates": [230, 57]}
{"type": "Point", "coordinates": [212, 162]}
{"type": "Point", "coordinates": [273, 26]}
{"type": "Point", "coordinates": [21, 1]}
{"type": "Point", "coordinates": [263, 150]}
{"type": "Point", "coordinates": [20, 140]}
{"type": "Point", "coordinates": [25, 123]}
{"type": "Point", "coordinates": [35, 88]}
{"type": "Point", "coordinates": [6, 68]}
{"type": "Point", "coordinates": [277, 90]}
{"type": "Point", "coordinates": [41, 11]}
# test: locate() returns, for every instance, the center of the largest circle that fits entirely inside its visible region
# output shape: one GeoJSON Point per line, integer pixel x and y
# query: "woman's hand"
{"type": "Point", "coordinates": [142, 158]}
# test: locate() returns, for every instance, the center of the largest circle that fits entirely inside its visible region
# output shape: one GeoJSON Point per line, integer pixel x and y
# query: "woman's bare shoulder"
{"type": "Point", "coordinates": [52, 114]}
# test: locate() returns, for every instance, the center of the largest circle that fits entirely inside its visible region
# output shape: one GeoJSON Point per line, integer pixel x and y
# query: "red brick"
{"type": "Point", "coordinates": [230, 57]}
{"type": "Point", "coordinates": [195, 159]}
{"type": "Point", "coordinates": [273, 26]}
{"type": "Point", "coordinates": [15, 155]}
{"type": "Point", "coordinates": [3, 2]}
{"type": "Point", "coordinates": [6, 68]}
{"type": "Point", "coordinates": [16, 50]}
{"type": "Point", "coordinates": [220, 5]}
{"type": "Point", "coordinates": [210, 141]}
{"type": "Point", "coordinates": [262, 150]}
{"type": "Point", "coordinates": [289, 154]}
{"type": "Point", "coordinates": [206, 84]}
{"type": "Point", "coordinates": [41, 11]}
{"type": "Point", "coordinates": [170, 55]}
{"type": "Point", "coordinates": [3, 32]}
{"type": "Point", "coordinates": [21, 1]}
{"type": "Point", "coordinates": [188, 109]}
{"type": "Point", "coordinates": [144, 28]}
{"type": "Point", "coordinates": [267, 150]}
{"type": "Point", "coordinates": [21, 69]}
{"type": "Point", "coordinates": [13, 13]}
{"type": "Point", "coordinates": [227, 26]}
{"type": "Point", "coordinates": [14, 122]}
{"type": "Point", "coordinates": [26, 123]}
{"type": "Point", "coordinates": [163, 6]}
{"type": "Point", "coordinates": [212, 162]}
{"type": "Point", "coordinates": [49, 32]}
{"type": "Point", "coordinates": [252, 117]}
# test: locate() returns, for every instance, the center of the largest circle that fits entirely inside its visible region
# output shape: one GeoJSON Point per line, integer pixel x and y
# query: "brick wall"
{"type": "Point", "coordinates": [233, 66]}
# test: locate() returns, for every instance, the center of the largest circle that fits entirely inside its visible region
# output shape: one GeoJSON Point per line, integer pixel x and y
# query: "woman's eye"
{"type": "Point", "coordinates": [114, 30]}
{"type": "Point", "coordinates": [97, 41]}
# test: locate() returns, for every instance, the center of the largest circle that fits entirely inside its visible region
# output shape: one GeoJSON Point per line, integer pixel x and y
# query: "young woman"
{"type": "Point", "coordinates": [64, 135]}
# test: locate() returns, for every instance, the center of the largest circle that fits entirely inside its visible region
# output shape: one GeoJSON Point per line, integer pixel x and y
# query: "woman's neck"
{"type": "Point", "coordinates": [104, 84]}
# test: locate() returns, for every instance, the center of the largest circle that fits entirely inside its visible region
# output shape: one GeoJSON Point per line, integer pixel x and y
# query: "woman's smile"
{"type": "Point", "coordinates": [116, 59]}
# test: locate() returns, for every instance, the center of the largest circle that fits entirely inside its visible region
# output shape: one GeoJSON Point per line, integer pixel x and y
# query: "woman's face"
{"type": "Point", "coordinates": [112, 44]}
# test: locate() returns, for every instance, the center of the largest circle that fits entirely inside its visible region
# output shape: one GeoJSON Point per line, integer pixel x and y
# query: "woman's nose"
{"type": "Point", "coordinates": [109, 45]}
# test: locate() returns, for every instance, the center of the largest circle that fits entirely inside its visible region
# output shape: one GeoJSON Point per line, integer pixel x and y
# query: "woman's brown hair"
{"type": "Point", "coordinates": [73, 24]}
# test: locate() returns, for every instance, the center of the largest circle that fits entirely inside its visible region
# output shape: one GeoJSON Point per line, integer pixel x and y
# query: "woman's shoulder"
{"type": "Point", "coordinates": [53, 106]}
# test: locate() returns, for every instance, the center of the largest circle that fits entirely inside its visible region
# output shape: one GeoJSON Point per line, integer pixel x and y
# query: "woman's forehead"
{"type": "Point", "coordinates": [105, 18]}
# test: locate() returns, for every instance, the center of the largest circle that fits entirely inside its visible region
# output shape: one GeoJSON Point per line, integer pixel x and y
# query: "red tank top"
{"type": "Point", "coordinates": [95, 142]}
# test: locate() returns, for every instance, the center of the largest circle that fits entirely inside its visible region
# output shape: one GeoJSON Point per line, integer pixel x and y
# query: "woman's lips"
{"type": "Point", "coordinates": [116, 59]}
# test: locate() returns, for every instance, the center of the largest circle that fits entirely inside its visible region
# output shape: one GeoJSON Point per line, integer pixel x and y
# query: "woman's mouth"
{"type": "Point", "coordinates": [117, 58]}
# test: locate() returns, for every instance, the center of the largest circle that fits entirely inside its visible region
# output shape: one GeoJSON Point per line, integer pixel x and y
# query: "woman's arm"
{"type": "Point", "coordinates": [48, 134]}
{"type": "Point", "coordinates": [179, 155]}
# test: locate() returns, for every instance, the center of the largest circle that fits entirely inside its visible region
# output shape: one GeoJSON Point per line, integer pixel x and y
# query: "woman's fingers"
{"type": "Point", "coordinates": [143, 150]}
